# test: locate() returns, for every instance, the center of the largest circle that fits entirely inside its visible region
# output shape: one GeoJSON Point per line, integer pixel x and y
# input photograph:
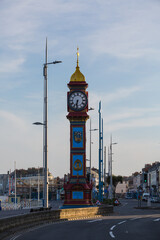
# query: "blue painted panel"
{"type": "Point", "coordinates": [77, 195]}
{"type": "Point", "coordinates": [77, 165]}
{"type": "Point", "coordinates": [77, 137]}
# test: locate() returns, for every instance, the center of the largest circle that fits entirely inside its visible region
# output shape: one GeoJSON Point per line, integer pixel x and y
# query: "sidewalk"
{"type": "Point", "coordinates": [55, 204]}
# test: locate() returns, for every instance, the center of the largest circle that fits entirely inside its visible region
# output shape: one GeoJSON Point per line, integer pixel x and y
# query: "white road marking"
{"type": "Point", "coordinates": [156, 220]}
{"type": "Point", "coordinates": [112, 227]}
{"type": "Point", "coordinates": [124, 204]}
{"type": "Point", "coordinates": [13, 238]}
{"type": "Point", "coordinates": [111, 234]}
{"type": "Point", "coordinates": [122, 222]}
{"type": "Point", "coordinates": [94, 220]}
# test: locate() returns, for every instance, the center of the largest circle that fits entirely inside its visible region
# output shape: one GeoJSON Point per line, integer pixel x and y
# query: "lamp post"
{"type": "Point", "coordinates": [105, 179]}
{"type": "Point", "coordinates": [15, 182]}
{"type": "Point", "coordinates": [90, 152]}
{"type": "Point", "coordinates": [100, 194]}
{"type": "Point", "coordinates": [45, 128]}
{"type": "Point", "coordinates": [38, 186]}
{"type": "Point", "coordinates": [111, 183]}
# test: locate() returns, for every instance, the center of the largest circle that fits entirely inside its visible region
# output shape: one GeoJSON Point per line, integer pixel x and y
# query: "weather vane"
{"type": "Point", "coordinates": [77, 56]}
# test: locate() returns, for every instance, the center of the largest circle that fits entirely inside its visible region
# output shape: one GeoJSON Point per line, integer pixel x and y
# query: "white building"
{"type": "Point", "coordinates": [122, 188]}
{"type": "Point", "coordinates": [137, 180]}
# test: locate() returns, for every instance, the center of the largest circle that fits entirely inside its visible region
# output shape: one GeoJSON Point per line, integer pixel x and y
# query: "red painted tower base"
{"type": "Point", "coordinates": [78, 194]}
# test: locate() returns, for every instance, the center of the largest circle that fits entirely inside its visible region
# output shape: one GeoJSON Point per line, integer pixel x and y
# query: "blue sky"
{"type": "Point", "coordinates": [119, 42]}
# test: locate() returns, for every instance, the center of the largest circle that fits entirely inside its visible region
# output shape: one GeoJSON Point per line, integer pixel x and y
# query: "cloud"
{"type": "Point", "coordinates": [11, 65]}
{"type": "Point", "coordinates": [2, 100]}
{"type": "Point", "coordinates": [124, 117]}
{"type": "Point", "coordinates": [23, 22]}
{"type": "Point", "coordinates": [131, 155]}
{"type": "Point", "coordinates": [34, 96]}
{"type": "Point", "coordinates": [131, 31]}
{"type": "Point", "coordinates": [118, 94]}
{"type": "Point", "coordinates": [23, 142]}
{"type": "Point", "coordinates": [128, 113]}
{"type": "Point", "coordinates": [117, 28]}
{"type": "Point", "coordinates": [12, 118]}
{"type": "Point", "coordinates": [134, 123]}
{"type": "Point", "coordinates": [112, 29]}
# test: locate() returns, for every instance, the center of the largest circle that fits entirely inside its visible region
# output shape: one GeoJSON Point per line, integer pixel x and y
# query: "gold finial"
{"type": "Point", "coordinates": [77, 76]}
{"type": "Point", "coordinates": [77, 56]}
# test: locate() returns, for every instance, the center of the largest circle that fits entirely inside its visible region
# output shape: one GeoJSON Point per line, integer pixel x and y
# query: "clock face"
{"type": "Point", "coordinates": [77, 100]}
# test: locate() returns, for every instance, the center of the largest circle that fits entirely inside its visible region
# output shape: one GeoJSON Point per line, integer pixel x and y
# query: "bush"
{"type": "Point", "coordinates": [110, 201]}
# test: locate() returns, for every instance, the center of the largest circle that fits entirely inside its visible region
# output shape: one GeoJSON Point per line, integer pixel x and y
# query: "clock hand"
{"type": "Point", "coordinates": [77, 103]}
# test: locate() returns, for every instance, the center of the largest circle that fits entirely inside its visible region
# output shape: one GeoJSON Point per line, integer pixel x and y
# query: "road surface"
{"type": "Point", "coordinates": [127, 223]}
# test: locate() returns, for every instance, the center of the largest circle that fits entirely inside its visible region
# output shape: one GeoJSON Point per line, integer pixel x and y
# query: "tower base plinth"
{"type": "Point", "coordinates": [77, 194]}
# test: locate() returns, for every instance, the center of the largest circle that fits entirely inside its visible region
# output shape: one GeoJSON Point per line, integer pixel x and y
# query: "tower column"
{"type": "Point", "coordinates": [78, 189]}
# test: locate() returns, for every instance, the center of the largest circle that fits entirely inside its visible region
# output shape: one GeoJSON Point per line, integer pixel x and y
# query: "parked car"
{"type": "Point", "coordinates": [145, 196]}
{"type": "Point", "coordinates": [128, 195]}
{"type": "Point", "coordinates": [154, 199]}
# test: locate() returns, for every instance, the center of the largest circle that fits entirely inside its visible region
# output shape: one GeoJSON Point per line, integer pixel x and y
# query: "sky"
{"type": "Point", "coordinates": [119, 46]}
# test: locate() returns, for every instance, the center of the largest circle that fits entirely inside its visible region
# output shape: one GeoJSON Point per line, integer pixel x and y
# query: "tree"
{"type": "Point", "coordinates": [115, 180]}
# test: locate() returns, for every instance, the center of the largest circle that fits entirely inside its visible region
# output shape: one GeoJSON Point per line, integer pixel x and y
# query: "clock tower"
{"type": "Point", "coordinates": [77, 189]}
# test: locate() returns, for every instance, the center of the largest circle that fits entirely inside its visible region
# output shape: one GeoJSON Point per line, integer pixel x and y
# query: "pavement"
{"type": "Point", "coordinates": [56, 204]}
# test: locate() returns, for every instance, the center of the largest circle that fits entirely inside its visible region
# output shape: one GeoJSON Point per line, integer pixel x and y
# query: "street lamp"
{"type": "Point", "coordinates": [45, 128]}
{"type": "Point", "coordinates": [91, 130]}
{"type": "Point", "coordinates": [38, 123]}
{"type": "Point", "coordinates": [111, 193]}
{"type": "Point", "coordinates": [90, 109]}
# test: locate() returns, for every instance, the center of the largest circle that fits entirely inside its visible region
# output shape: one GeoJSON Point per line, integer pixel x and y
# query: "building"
{"type": "Point", "coordinates": [122, 188]}
{"type": "Point", "coordinates": [137, 181]}
{"type": "Point", "coordinates": [29, 183]}
{"type": "Point", "coordinates": [145, 184]}
{"type": "Point", "coordinates": [3, 184]}
{"type": "Point", "coordinates": [95, 179]}
{"type": "Point", "coordinates": [154, 179]}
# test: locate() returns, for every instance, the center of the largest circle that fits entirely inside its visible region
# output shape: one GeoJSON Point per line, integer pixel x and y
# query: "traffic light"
{"type": "Point", "coordinates": [145, 177]}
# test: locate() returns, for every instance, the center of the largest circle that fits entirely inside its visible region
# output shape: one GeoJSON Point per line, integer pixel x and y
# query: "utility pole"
{"type": "Point", "coordinates": [110, 157]}
{"type": "Point", "coordinates": [45, 127]}
{"type": "Point", "coordinates": [38, 186]}
{"type": "Point", "coordinates": [90, 155]}
{"type": "Point", "coordinates": [102, 162]}
{"type": "Point", "coordinates": [90, 151]}
{"type": "Point", "coordinates": [100, 196]}
{"type": "Point", "coordinates": [105, 180]}
{"type": "Point", "coordinates": [45, 131]}
{"type": "Point", "coordinates": [111, 195]}
{"type": "Point", "coordinates": [30, 189]}
{"type": "Point", "coordinates": [109, 174]}
{"type": "Point", "coordinates": [15, 195]}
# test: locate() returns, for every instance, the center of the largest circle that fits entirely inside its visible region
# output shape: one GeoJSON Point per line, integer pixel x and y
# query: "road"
{"type": "Point", "coordinates": [126, 223]}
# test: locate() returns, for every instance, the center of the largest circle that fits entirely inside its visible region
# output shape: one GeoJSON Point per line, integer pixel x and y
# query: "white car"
{"type": "Point", "coordinates": [145, 196]}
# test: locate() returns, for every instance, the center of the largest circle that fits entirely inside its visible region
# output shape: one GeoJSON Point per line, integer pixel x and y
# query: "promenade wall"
{"type": "Point", "coordinates": [17, 223]}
